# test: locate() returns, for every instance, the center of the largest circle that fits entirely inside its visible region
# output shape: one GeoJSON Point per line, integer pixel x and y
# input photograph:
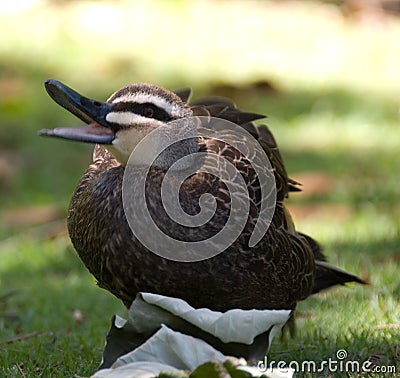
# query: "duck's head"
{"type": "Point", "coordinates": [126, 118]}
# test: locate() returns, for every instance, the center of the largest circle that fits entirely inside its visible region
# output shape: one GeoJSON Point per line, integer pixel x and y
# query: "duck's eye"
{"type": "Point", "coordinates": [148, 111]}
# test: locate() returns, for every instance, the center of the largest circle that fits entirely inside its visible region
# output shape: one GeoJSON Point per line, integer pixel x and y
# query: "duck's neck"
{"type": "Point", "coordinates": [171, 146]}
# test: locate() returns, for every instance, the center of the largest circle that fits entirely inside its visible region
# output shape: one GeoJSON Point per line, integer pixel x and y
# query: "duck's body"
{"type": "Point", "coordinates": [240, 277]}
{"type": "Point", "coordinates": [274, 274]}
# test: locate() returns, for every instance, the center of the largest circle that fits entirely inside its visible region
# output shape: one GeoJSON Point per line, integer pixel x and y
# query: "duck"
{"type": "Point", "coordinates": [280, 269]}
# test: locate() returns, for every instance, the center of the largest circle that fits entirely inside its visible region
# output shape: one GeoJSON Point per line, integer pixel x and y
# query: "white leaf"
{"type": "Point", "coordinates": [174, 349]}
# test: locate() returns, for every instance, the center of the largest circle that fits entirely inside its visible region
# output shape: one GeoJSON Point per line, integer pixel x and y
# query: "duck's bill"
{"type": "Point", "coordinates": [92, 112]}
{"type": "Point", "coordinates": [90, 134]}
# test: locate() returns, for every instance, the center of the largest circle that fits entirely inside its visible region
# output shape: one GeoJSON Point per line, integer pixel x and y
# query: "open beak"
{"type": "Point", "coordinates": [92, 112]}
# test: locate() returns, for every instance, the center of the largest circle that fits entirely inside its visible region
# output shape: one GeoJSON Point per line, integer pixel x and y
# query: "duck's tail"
{"type": "Point", "coordinates": [327, 276]}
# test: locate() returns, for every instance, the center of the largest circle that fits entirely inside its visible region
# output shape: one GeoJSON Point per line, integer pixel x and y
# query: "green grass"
{"type": "Point", "coordinates": [335, 111]}
{"type": "Point", "coordinates": [47, 283]}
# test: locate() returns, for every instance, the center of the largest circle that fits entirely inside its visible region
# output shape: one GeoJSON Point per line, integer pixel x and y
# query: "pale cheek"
{"type": "Point", "coordinates": [125, 146]}
{"type": "Point", "coordinates": [125, 143]}
{"type": "Point", "coordinates": [121, 156]}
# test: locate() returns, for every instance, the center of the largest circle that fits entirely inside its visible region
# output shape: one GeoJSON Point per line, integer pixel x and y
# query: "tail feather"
{"type": "Point", "coordinates": [327, 275]}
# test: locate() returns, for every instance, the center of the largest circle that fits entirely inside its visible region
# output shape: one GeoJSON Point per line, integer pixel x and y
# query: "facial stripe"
{"type": "Point", "coordinates": [141, 109]}
{"type": "Point", "coordinates": [126, 118]}
{"type": "Point", "coordinates": [142, 98]}
{"type": "Point", "coordinates": [173, 109]}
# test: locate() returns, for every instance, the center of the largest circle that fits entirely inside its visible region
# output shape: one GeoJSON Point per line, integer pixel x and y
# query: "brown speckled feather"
{"type": "Point", "coordinates": [275, 274]}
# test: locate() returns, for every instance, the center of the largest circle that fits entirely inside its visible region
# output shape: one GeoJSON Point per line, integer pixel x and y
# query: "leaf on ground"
{"type": "Point", "coordinates": [234, 368]}
{"type": "Point", "coordinates": [167, 335]}
{"type": "Point", "coordinates": [238, 333]}
{"type": "Point", "coordinates": [141, 369]}
{"type": "Point", "coordinates": [174, 349]}
{"type": "Point", "coordinates": [210, 370]}
{"type": "Point", "coordinates": [120, 340]}
{"type": "Point", "coordinates": [173, 374]}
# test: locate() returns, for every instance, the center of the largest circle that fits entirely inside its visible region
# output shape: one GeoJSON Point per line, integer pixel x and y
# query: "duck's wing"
{"type": "Point", "coordinates": [286, 245]}
{"type": "Point", "coordinates": [220, 107]}
{"type": "Point", "coordinates": [325, 274]}
{"type": "Point", "coordinates": [184, 94]}
{"type": "Point", "coordinates": [225, 109]}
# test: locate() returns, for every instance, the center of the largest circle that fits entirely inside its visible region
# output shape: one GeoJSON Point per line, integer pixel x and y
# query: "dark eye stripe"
{"type": "Point", "coordinates": [133, 107]}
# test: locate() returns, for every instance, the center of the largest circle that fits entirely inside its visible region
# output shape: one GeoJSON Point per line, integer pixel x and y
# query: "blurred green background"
{"type": "Point", "coordinates": [328, 78]}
